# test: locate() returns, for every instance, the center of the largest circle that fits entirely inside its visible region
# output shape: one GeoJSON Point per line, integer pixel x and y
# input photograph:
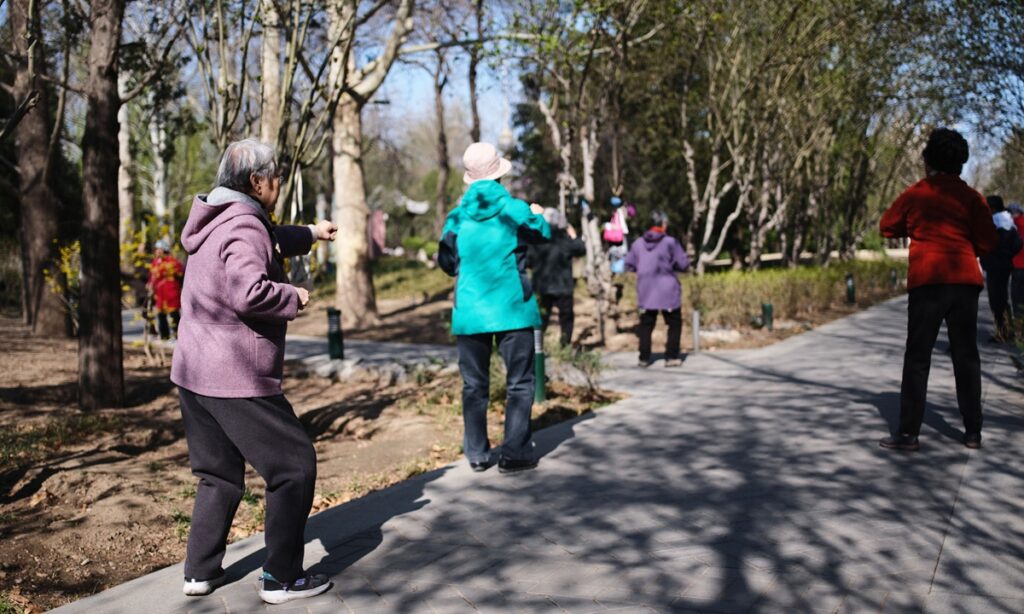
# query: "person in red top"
{"type": "Point", "coordinates": [949, 226]}
{"type": "Point", "coordinates": [165, 273]}
{"type": "Point", "coordinates": [1017, 277]}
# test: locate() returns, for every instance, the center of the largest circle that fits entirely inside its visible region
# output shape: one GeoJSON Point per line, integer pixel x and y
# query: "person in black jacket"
{"type": "Point", "coordinates": [998, 265]}
{"type": "Point", "coordinates": [552, 272]}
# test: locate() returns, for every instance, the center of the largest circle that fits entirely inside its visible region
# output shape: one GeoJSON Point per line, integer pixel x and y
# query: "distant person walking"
{"type": "Point", "coordinates": [998, 265]}
{"type": "Point", "coordinates": [483, 245]}
{"type": "Point", "coordinates": [165, 272]}
{"type": "Point", "coordinates": [228, 364]}
{"type": "Point", "coordinates": [949, 226]}
{"type": "Point", "coordinates": [551, 263]}
{"type": "Point", "coordinates": [657, 258]}
{"type": "Point", "coordinates": [1017, 277]}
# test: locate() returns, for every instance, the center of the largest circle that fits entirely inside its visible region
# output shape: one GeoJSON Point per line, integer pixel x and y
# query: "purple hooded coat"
{"type": "Point", "coordinates": [235, 300]}
{"type": "Point", "coordinates": [656, 258]}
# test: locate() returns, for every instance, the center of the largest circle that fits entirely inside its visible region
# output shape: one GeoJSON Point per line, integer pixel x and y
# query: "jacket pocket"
{"type": "Point", "coordinates": [269, 356]}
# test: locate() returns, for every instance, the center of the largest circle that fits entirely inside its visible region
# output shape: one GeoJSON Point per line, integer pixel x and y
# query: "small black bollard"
{"type": "Point", "coordinates": [767, 316]}
{"type": "Point", "coordinates": [851, 290]}
{"type": "Point", "coordinates": [335, 341]}
{"type": "Point", "coordinates": [894, 278]}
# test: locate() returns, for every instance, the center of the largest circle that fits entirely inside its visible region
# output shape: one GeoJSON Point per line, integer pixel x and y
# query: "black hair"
{"type": "Point", "coordinates": [658, 218]}
{"type": "Point", "coordinates": [946, 151]}
{"type": "Point", "coordinates": [995, 203]}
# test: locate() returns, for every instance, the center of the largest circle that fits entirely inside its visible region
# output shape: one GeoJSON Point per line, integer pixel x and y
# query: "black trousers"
{"type": "Point", "coordinates": [166, 328]}
{"type": "Point", "coordinates": [674, 320]}
{"type": "Point", "coordinates": [998, 285]}
{"type": "Point", "coordinates": [516, 349]}
{"type": "Point", "coordinates": [929, 306]}
{"type": "Point", "coordinates": [222, 435]}
{"type": "Point", "coordinates": [566, 317]}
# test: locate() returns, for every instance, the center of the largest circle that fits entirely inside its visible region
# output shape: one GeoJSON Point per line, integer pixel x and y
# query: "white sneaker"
{"type": "Point", "coordinates": [196, 588]}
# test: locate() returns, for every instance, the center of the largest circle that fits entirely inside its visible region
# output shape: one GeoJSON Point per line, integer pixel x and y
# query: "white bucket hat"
{"type": "Point", "coordinates": [483, 162]}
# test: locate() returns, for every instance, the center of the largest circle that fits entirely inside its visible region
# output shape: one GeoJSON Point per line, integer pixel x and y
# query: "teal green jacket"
{"type": "Point", "coordinates": [483, 245]}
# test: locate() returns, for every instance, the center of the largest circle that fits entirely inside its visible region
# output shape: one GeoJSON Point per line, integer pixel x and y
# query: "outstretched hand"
{"type": "Point", "coordinates": [303, 296]}
{"type": "Point", "coordinates": [325, 230]}
{"type": "Point", "coordinates": [536, 209]}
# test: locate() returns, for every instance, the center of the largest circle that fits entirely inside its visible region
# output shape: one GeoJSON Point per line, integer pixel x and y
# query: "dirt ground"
{"type": "Point", "coordinates": [88, 501]}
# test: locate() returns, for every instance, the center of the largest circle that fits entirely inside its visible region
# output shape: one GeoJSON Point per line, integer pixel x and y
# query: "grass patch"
{"type": "Point", "coordinates": [182, 523]}
{"type": "Point", "coordinates": [34, 443]}
{"type": "Point", "coordinates": [10, 604]}
{"type": "Point", "coordinates": [250, 497]}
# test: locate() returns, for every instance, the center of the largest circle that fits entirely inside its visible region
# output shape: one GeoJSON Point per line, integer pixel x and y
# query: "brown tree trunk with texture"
{"type": "Point", "coordinates": [43, 309]}
{"type": "Point", "coordinates": [100, 369]}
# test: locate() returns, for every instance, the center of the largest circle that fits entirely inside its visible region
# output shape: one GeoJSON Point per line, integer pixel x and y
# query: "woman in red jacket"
{"type": "Point", "coordinates": [949, 226]}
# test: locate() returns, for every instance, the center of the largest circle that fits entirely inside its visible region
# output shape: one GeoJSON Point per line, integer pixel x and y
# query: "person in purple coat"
{"type": "Point", "coordinates": [656, 258]}
{"type": "Point", "coordinates": [228, 362]}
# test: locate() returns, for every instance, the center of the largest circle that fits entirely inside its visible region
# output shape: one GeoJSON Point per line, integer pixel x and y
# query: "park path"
{"type": "Point", "coordinates": [745, 481]}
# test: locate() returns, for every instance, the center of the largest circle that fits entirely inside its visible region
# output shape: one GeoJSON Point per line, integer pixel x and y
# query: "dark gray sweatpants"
{"type": "Point", "coordinates": [222, 435]}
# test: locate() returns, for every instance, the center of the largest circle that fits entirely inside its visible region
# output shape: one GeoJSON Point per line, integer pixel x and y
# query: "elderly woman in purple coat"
{"type": "Point", "coordinates": [656, 259]}
{"type": "Point", "coordinates": [235, 307]}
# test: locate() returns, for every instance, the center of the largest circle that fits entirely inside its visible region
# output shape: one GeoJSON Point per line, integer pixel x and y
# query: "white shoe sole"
{"type": "Point", "coordinates": [198, 588]}
{"type": "Point", "coordinates": [279, 597]}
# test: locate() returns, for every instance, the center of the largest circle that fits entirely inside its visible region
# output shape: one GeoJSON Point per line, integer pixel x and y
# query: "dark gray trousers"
{"type": "Point", "coordinates": [516, 349]}
{"type": "Point", "coordinates": [222, 435]}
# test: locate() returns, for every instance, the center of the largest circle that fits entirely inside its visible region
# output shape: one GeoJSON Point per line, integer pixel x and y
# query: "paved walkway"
{"type": "Point", "coordinates": [745, 481]}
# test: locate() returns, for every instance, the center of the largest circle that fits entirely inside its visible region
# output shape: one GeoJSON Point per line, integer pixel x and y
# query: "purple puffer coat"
{"type": "Point", "coordinates": [656, 258]}
{"type": "Point", "coordinates": [235, 300]}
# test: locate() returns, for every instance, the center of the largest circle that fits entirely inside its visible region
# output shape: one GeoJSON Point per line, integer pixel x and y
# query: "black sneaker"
{"type": "Point", "coordinates": [195, 587]}
{"type": "Point", "coordinates": [901, 442]}
{"type": "Point", "coordinates": [481, 466]}
{"type": "Point", "coordinates": [309, 585]}
{"type": "Point", "coordinates": [972, 440]}
{"type": "Point", "coordinates": [509, 465]}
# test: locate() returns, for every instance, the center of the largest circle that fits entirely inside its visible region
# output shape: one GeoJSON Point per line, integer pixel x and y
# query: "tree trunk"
{"type": "Point", "coordinates": [474, 61]}
{"type": "Point", "coordinates": [124, 173]}
{"type": "Point", "coordinates": [270, 85]}
{"type": "Point", "coordinates": [44, 310]}
{"type": "Point", "coordinates": [441, 195]}
{"type": "Point", "coordinates": [354, 296]}
{"type": "Point", "coordinates": [158, 140]}
{"type": "Point", "coordinates": [100, 374]}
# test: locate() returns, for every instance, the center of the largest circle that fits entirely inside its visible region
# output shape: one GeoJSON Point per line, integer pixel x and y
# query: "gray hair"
{"type": "Point", "coordinates": [241, 160]}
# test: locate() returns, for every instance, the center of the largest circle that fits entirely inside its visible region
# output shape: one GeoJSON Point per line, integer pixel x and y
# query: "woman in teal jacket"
{"type": "Point", "coordinates": [483, 245]}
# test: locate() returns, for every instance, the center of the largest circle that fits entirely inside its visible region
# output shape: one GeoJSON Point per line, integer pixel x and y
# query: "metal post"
{"type": "Point", "coordinates": [539, 392]}
{"type": "Point", "coordinates": [335, 341]}
{"type": "Point", "coordinates": [894, 278]}
{"type": "Point", "coordinates": [767, 316]}
{"type": "Point", "coordinates": [696, 331]}
{"type": "Point", "coordinates": [851, 290]}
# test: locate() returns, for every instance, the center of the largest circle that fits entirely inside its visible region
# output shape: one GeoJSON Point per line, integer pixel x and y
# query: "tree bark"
{"type": "Point", "coordinates": [100, 369]}
{"type": "Point", "coordinates": [124, 173]}
{"type": "Point", "coordinates": [474, 61]}
{"type": "Point", "coordinates": [355, 295]}
{"type": "Point", "coordinates": [443, 170]}
{"type": "Point", "coordinates": [44, 311]}
{"type": "Point", "coordinates": [158, 141]}
{"type": "Point", "coordinates": [270, 84]}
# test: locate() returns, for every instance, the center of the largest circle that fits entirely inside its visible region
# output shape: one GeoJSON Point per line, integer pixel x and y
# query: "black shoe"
{"type": "Point", "coordinates": [901, 442]}
{"type": "Point", "coordinates": [309, 585]}
{"type": "Point", "coordinates": [195, 587]}
{"type": "Point", "coordinates": [508, 465]}
{"type": "Point", "coordinates": [972, 440]}
{"type": "Point", "coordinates": [481, 466]}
